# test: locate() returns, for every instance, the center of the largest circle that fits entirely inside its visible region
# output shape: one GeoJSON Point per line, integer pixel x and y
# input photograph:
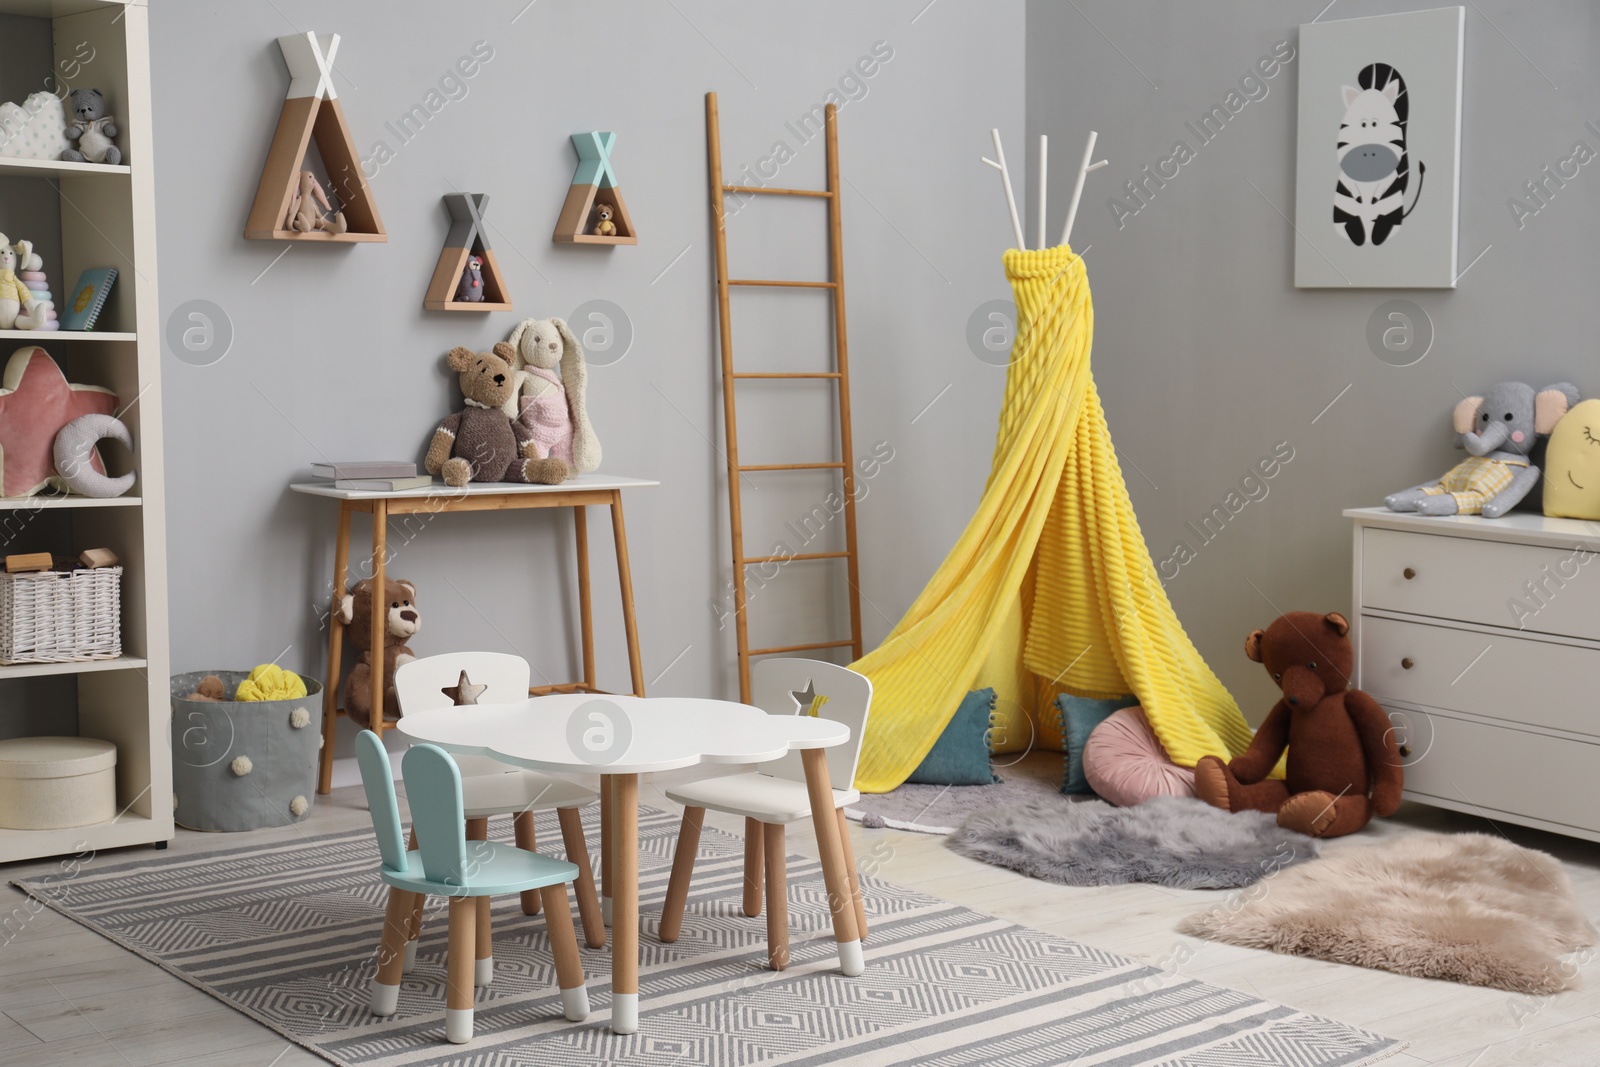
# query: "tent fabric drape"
{"type": "Point", "coordinates": [1055, 517]}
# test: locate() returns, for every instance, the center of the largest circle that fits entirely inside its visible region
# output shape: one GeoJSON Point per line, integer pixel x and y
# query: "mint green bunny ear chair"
{"type": "Point", "coordinates": [447, 865]}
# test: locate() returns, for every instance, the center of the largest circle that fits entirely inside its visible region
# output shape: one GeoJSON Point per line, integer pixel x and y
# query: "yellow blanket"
{"type": "Point", "coordinates": [1054, 539]}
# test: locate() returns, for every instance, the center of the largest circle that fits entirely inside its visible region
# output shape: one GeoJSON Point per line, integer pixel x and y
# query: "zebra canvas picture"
{"type": "Point", "coordinates": [1378, 155]}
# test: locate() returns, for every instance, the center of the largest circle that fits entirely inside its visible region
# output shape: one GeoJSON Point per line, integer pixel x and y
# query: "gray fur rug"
{"type": "Point", "coordinates": [1179, 842]}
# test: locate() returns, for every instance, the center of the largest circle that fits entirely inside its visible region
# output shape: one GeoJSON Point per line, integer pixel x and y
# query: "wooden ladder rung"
{"type": "Point", "coordinates": [791, 466]}
{"type": "Point", "coordinates": [766, 191]}
{"type": "Point", "coordinates": [748, 560]}
{"type": "Point", "coordinates": [801, 648]}
{"type": "Point", "coordinates": [789, 374]}
{"type": "Point", "coordinates": [779, 284]}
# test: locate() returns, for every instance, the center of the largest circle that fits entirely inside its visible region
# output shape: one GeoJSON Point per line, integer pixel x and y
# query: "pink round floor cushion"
{"type": "Point", "coordinates": [1126, 765]}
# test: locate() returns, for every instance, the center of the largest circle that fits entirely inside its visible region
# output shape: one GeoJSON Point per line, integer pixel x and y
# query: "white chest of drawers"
{"type": "Point", "coordinates": [1481, 638]}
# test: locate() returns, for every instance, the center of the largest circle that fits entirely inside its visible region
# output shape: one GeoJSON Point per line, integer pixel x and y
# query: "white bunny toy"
{"type": "Point", "coordinates": [551, 395]}
{"type": "Point", "coordinates": [19, 308]}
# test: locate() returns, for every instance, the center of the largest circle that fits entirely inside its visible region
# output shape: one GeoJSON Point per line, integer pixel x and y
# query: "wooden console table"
{"type": "Point", "coordinates": [575, 493]}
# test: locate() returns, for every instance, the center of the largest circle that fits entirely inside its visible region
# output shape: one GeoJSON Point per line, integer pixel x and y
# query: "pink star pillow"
{"type": "Point", "coordinates": [36, 400]}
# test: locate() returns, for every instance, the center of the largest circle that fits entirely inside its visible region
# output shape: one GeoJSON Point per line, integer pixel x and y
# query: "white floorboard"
{"type": "Point", "coordinates": [68, 996]}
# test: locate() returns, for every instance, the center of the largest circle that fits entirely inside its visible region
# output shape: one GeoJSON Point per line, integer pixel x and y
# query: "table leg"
{"type": "Point", "coordinates": [414, 923]}
{"type": "Point", "coordinates": [753, 839]}
{"type": "Point", "coordinates": [625, 928]}
{"type": "Point", "coordinates": [522, 825]}
{"type": "Point", "coordinates": [608, 841]}
{"type": "Point", "coordinates": [834, 873]}
{"type": "Point", "coordinates": [580, 522]}
{"type": "Point", "coordinates": [330, 694]}
{"type": "Point", "coordinates": [625, 580]}
{"type": "Point", "coordinates": [380, 534]}
{"type": "Point", "coordinates": [777, 897]}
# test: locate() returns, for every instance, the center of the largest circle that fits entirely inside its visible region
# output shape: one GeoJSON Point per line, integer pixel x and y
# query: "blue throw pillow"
{"type": "Point", "coordinates": [1079, 716]}
{"type": "Point", "coordinates": [961, 755]}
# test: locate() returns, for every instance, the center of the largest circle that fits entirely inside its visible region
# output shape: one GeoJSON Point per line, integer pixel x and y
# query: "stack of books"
{"type": "Point", "coordinates": [372, 475]}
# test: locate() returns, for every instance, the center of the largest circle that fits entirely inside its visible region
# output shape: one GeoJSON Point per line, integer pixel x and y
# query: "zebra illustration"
{"type": "Point", "coordinates": [1374, 169]}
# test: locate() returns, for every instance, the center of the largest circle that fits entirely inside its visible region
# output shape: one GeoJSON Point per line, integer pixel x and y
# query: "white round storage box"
{"type": "Point", "coordinates": [52, 783]}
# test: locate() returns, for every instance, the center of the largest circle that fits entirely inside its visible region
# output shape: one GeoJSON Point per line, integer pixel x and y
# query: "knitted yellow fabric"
{"type": "Point", "coordinates": [270, 682]}
{"type": "Point", "coordinates": [1054, 532]}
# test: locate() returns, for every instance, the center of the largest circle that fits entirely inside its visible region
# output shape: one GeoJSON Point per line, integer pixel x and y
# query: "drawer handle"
{"type": "Point", "coordinates": [1408, 663]}
{"type": "Point", "coordinates": [1409, 573]}
{"type": "Point", "coordinates": [1405, 751]}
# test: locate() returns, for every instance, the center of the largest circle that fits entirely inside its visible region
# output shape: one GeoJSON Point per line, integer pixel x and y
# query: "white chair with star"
{"type": "Point", "coordinates": [490, 788]}
{"type": "Point", "coordinates": [776, 796]}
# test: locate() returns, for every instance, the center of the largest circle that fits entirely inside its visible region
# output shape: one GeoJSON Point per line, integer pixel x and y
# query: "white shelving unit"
{"type": "Point", "coordinates": [107, 219]}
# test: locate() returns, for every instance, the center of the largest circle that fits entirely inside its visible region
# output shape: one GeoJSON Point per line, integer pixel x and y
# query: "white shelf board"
{"type": "Point", "coordinates": [38, 336]}
{"type": "Point", "coordinates": [56, 503]}
{"type": "Point", "coordinates": [33, 670]}
{"type": "Point", "coordinates": [44, 168]}
{"type": "Point", "coordinates": [127, 829]}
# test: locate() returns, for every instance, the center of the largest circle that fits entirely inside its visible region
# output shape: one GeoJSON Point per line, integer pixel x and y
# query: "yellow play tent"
{"type": "Point", "coordinates": [1050, 589]}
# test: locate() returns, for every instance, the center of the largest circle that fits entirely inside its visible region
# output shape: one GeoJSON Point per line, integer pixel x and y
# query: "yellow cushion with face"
{"type": "Point", "coordinates": [1572, 464]}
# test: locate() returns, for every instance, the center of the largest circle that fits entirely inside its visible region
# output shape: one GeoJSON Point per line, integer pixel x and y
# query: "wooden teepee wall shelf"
{"type": "Point", "coordinates": [312, 109]}
{"type": "Point", "coordinates": [595, 182]}
{"type": "Point", "coordinates": [467, 238]}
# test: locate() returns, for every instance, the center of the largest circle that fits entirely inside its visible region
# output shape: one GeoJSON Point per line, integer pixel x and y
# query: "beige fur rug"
{"type": "Point", "coordinates": [1470, 908]}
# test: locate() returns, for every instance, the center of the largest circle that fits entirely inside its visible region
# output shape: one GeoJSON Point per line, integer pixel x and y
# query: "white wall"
{"type": "Point", "coordinates": [332, 355]}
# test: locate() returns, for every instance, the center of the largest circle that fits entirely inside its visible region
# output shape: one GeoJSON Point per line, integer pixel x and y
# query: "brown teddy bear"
{"type": "Point", "coordinates": [603, 226]}
{"type": "Point", "coordinates": [481, 443]}
{"type": "Point", "coordinates": [401, 620]}
{"type": "Point", "coordinates": [1344, 765]}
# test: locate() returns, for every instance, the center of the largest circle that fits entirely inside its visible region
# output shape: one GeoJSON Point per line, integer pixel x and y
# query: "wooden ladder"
{"type": "Point", "coordinates": [730, 378]}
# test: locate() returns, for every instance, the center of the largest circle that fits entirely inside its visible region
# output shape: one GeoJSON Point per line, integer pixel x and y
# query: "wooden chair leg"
{"type": "Point", "coordinates": [577, 846]}
{"type": "Point", "coordinates": [564, 947]}
{"type": "Point", "coordinates": [385, 988]}
{"type": "Point", "coordinates": [522, 823]}
{"type": "Point", "coordinates": [752, 867]}
{"type": "Point", "coordinates": [682, 873]}
{"type": "Point", "coordinates": [855, 876]}
{"type": "Point", "coordinates": [826, 822]}
{"type": "Point", "coordinates": [459, 986]}
{"type": "Point", "coordinates": [414, 924]}
{"type": "Point", "coordinates": [777, 897]}
{"type": "Point", "coordinates": [483, 970]}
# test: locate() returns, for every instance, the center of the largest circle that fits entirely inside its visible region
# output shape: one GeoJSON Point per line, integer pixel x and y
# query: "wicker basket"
{"type": "Point", "coordinates": [59, 617]}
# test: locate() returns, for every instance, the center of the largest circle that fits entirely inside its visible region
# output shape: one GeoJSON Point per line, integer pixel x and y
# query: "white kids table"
{"type": "Point", "coordinates": [623, 737]}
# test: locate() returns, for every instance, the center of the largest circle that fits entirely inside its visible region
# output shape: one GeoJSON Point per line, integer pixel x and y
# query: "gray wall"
{"type": "Point", "coordinates": [1205, 354]}
{"type": "Point", "coordinates": [332, 355]}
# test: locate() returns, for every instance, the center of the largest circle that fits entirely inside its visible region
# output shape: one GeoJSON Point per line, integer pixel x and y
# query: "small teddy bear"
{"type": "Point", "coordinates": [481, 442]}
{"type": "Point", "coordinates": [401, 621]}
{"type": "Point", "coordinates": [91, 127]}
{"type": "Point", "coordinates": [470, 288]}
{"type": "Point", "coordinates": [603, 226]}
{"type": "Point", "coordinates": [20, 309]}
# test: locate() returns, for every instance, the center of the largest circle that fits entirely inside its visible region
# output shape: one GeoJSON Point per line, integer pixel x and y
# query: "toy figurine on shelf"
{"type": "Point", "coordinates": [91, 129]}
{"type": "Point", "coordinates": [603, 226]}
{"type": "Point", "coordinates": [470, 288]}
{"type": "Point", "coordinates": [20, 307]}
{"type": "Point", "coordinates": [304, 216]}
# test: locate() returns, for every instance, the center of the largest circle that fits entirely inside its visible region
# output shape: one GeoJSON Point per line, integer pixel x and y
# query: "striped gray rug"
{"type": "Point", "coordinates": [287, 934]}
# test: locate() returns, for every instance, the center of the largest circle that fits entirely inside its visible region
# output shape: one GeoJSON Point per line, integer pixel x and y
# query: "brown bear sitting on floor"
{"type": "Point", "coordinates": [400, 621]}
{"type": "Point", "coordinates": [1344, 765]}
{"type": "Point", "coordinates": [481, 443]}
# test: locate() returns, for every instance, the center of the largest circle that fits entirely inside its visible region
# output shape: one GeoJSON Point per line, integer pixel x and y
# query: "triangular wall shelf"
{"type": "Point", "coordinates": [594, 183]}
{"type": "Point", "coordinates": [467, 238]}
{"type": "Point", "coordinates": [312, 109]}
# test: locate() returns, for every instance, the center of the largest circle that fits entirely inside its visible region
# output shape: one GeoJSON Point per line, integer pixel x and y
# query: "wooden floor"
{"type": "Point", "coordinates": [68, 996]}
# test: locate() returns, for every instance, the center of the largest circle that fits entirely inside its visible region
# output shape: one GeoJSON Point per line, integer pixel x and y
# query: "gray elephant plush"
{"type": "Point", "coordinates": [1498, 430]}
{"type": "Point", "coordinates": [90, 126]}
